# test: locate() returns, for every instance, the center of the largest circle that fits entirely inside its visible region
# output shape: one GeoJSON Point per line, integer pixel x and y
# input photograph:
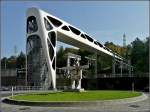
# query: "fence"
{"type": "Point", "coordinates": [23, 88]}
{"type": "Point", "coordinates": [123, 75]}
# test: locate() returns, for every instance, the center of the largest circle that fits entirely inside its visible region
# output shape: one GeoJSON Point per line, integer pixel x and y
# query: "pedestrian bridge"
{"type": "Point", "coordinates": [43, 32]}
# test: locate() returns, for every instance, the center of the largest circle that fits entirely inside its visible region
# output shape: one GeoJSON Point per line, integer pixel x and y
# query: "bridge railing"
{"type": "Point", "coordinates": [22, 88]}
{"type": "Point", "coordinates": [29, 88]}
{"type": "Point", "coordinates": [123, 75]}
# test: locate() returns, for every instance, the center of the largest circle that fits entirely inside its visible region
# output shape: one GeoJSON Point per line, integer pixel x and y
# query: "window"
{"type": "Point", "coordinates": [65, 28]}
{"type": "Point", "coordinates": [31, 24]}
{"type": "Point", "coordinates": [52, 37]}
{"type": "Point", "coordinates": [54, 21]}
{"type": "Point", "coordinates": [74, 30]}
{"type": "Point", "coordinates": [107, 49]}
{"type": "Point", "coordinates": [51, 50]}
{"type": "Point", "coordinates": [83, 36]}
{"type": "Point", "coordinates": [111, 51]}
{"type": "Point", "coordinates": [99, 44]}
{"type": "Point", "coordinates": [95, 43]}
{"type": "Point", "coordinates": [89, 38]}
{"type": "Point", "coordinates": [47, 24]}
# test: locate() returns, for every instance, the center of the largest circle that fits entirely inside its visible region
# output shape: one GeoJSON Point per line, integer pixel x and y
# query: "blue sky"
{"type": "Point", "coordinates": [104, 21]}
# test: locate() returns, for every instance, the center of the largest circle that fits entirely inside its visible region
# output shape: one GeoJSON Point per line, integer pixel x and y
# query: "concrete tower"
{"type": "Point", "coordinates": [124, 40]}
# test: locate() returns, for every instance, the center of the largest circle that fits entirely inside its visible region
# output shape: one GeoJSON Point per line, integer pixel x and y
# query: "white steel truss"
{"type": "Point", "coordinates": [41, 54]}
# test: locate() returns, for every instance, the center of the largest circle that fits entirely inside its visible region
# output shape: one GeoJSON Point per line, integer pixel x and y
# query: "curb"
{"type": "Point", "coordinates": [74, 103]}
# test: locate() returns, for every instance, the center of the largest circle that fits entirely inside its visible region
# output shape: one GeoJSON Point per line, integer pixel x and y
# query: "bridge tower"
{"type": "Point", "coordinates": [124, 40]}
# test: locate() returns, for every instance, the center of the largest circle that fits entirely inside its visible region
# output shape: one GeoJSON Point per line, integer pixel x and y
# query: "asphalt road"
{"type": "Point", "coordinates": [142, 106]}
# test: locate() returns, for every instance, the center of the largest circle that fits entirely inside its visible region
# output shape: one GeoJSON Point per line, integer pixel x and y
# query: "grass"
{"type": "Point", "coordinates": [77, 96]}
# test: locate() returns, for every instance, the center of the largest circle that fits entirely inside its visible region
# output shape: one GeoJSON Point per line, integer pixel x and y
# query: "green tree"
{"type": "Point", "coordinates": [116, 48]}
{"type": "Point", "coordinates": [146, 59]}
{"type": "Point", "coordinates": [139, 55]}
{"type": "Point", "coordinates": [4, 63]}
{"type": "Point", "coordinates": [21, 60]}
{"type": "Point", "coordinates": [61, 60]}
{"type": "Point", "coordinates": [11, 62]}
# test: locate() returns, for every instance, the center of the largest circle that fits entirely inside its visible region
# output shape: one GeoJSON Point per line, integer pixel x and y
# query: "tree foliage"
{"type": "Point", "coordinates": [13, 62]}
{"type": "Point", "coordinates": [140, 55]}
{"type": "Point", "coordinates": [116, 48]}
{"type": "Point", "coordinates": [137, 52]}
{"type": "Point", "coordinates": [21, 60]}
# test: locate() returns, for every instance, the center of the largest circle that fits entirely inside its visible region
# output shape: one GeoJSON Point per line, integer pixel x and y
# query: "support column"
{"type": "Point", "coordinates": [79, 84]}
{"type": "Point", "coordinates": [50, 54]}
{"type": "Point", "coordinates": [26, 75]}
{"type": "Point", "coordinates": [132, 71]}
{"type": "Point", "coordinates": [113, 67]}
{"type": "Point", "coordinates": [96, 65]}
{"type": "Point", "coordinates": [121, 66]}
{"type": "Point", "coordinates": [68, 64]}
{"type": "Point", "coordinates": [129, 67]}
{"type": "Point", "coordinates": [79, 81]}
{"type": "Point", "coordinates": [72, 84]}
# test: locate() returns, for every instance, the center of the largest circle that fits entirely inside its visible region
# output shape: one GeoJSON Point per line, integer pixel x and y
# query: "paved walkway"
{"type": "Point", "coordinates": [142, 106]}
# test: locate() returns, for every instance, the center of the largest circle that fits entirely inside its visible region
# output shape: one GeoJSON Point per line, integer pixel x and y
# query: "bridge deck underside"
{"type": "Point", "coordinates": [62, 37]}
